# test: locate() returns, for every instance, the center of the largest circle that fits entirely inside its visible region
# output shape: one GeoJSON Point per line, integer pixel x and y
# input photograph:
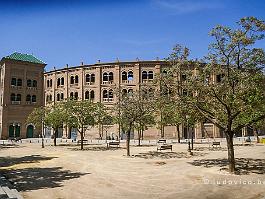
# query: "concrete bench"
{"type": "Point", "coordinates": [79, 141]}
{"type": "Point", "coordinates": [11, 193]}
{"type": "Point", "coordinates": [117, 144]}
{"type": "Point", "coordinates": [162, 141]}
{"type": "Point", "coordinates": [216, 144]}
{"type": "Point", "coordinates": [164, 147]}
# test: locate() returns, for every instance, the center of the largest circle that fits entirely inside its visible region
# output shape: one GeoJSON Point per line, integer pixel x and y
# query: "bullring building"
{"type": "Point", "coordinates": [24, 86]}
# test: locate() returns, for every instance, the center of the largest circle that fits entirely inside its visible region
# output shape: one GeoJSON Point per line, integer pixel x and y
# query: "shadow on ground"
{"type": "Point", "coordinates": [243, 165]}
{"type": "Point", "coordinates": [8, 146]}
{"type": "Point", "coordinates": [39, 178]}
{"type": "Point", "coordinates": [145, 145]}
{"type": "Point", "coordinates": [96, 148]}
{"type": "Point", "coordinates": [167, 155]}
{"type": "Point", "coordinates": [210, 149]}
{"type": "Point", "coordinates": [10, 161]}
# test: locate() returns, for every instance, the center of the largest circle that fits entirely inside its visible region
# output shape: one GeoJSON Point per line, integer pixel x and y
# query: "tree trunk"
{"type": "Point", "coordinates": [139, 137]}
{"type": "Point", "coordinates": [42, 136]}
{"type": "Point", "coordinates": [192, 135]}
{"type": "Point", "coordinates": [178, 132]}
{"type": "Point", "coordinates": [142, 134]}
{"type": "Point", "coordinates": [255, 131]}
{"type": "Point", "coordinates": [230, 147]}
{"type": "Point", "coordinates": [42, 141]}
{"type": "Point", "coordinates": [99, 132]}
{"type": "Point", "coordinates": [162, 131]}
{"type": "Point", "coordinates": [55, 136]}
{"type": "Point", "coordinates": [128, 141]}
{"type": "Point", "coordinates": [82, 138]}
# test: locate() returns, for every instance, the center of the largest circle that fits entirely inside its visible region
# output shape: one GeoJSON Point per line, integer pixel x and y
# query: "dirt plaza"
{"type": "Point", "coordinates": [65, 171]}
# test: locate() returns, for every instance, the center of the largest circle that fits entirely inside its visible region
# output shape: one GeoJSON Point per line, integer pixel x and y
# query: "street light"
{"type": "Point", "coordinates": [189, 148]}
{"type": "Point", "coordinates": [14, 125]}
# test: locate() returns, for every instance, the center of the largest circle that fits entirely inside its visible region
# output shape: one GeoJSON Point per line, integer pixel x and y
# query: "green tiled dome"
{"type": "Point", "coordinates": [24, 57]}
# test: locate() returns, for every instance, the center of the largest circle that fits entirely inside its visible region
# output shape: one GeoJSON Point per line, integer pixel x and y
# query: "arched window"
{"type": "Point", "coordinates": [18, 98]}
{"type": "Point", "coordinates": [71, 95]}
{"type": "Point", "coordinates": [58, 96]}
{"type": "Point", "coordinates": [144, 75]}
{"type": "Point", "coordinates": [62, 96]}
{"type": "Point", "coordinates": [130, 75]}
{"type": "Point", "coordinates": [34, 83]}
{"type": "Point", "coordinates": [13, 81]}
{"type": "Point", "coordinates": [48, 83]}
{"type": "Point", "coordinates": [51, 83]}
{"type": "Point", "coordinates": [150, 75]}
{"type": "Point", "coordinates": [124, 92]}
{"type": "Point", "coordinates": [219, 77]}
{"type": "Point", "coordinates": [62, 81]}
{"type": "Point", "coordinates": [105, 94]}
{"type": "Point", "coordinates": [111, 76]}
{"type": "Point", "coordinates": [93, 78]}
{"type": "Point", "coordinates": [88, 78]}
{"type": "Point", "coordinates": [87, 95]}
{"type": "Point", "coordinates": [130, 92]}
{"type": "Point", "coordinates": [19, 82]}
{"type": "Point", "coordinates": [124, 75]}
{"type": "Point", "coordinates": [28, 83]}
{"type": "Point", "coordinates": [183, 77]}
{"type": "Point", "coordinates": [92, 95]}
{"type": "Point", "coordinates": [76, 95]}
{"type": "Point", "coordinates": [13, 97]}
{"type": "Point", "coordinates": [105, 77]}
{"type": "Point", "coordinates": [58, 82]}
{"type": "Point", "coordinates": [33, 99]}
{"type": "Point", "coordinates": [47, 98]}
{"type": "Point", "coordinates": [28, 98]}
{"type": "Point", "coordinates": [76, 79]}
{"type": "Point", "coordinates": [72, 80]}
{"type": "Point", "coordinates": [50, 97]}
{"type": "Point", "coordinates": [185, 92]}
{"type": "Point", "coordinates": [151, 92]}
{"type": "Point", "coordinates": [110, 93]}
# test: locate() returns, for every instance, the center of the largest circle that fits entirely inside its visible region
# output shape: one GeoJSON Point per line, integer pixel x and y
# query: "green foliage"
{"type": "Point", "coordinates": [79, 114]}
{"type": "Point", "coordinates": [37, 117]}
{"type": "Point", "coordinates": [238, 99]}
{"type": "Point", "coordinates": [55, 116]}
{"type": "Point", "coordinates": [136, 110]}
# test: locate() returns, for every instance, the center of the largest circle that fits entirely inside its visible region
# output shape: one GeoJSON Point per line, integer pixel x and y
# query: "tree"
{"type": "Point", "coordinates": [55, 118]}
{"type": "Point", "coordinates": [146, 103]}
{"type": "Point", "coordinates": [172, 95]}
{"type": "Point", "coordinates": [37, 118]}
{"type": "Point", "coordinates": [102, 118]}
{"type": "Point", "coordinates": [229, 89]}
{"type": "Point", "coordinates": [80, 115]}
{"type": "Point", "coordinates": [133, 109]}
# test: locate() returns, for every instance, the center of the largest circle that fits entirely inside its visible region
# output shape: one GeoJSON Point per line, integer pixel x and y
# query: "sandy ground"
{"type": "Point", "coordinates": [96, 173]}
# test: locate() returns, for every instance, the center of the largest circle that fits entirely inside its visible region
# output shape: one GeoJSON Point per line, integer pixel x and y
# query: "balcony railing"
{"type": "Point", "coordinates": [16, 87]}
{"type": "Point", "coordinates": [32, 88]}
{"type": "Point", "coordinates": [75, 84]}
{"type": "Point", "coordinates": [15, 102]}
{"type": "Point", "coordinates": [90, 83]}
{"type": "Point", "coordinates": [107, 99]}
{"type": "Point", "coordinates": [127, 81]}
{"type": "Point", "coordinates": [107, 82]}
{"type": "Point", "coordinates": [147, 80]}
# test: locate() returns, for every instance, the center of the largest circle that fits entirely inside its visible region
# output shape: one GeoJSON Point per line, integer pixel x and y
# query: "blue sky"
{"type": "Point", "coordinates": [68, 32]}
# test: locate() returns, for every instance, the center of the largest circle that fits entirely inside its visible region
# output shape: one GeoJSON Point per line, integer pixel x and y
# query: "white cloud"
{"type": "Point", "coordinates": [183, 7]}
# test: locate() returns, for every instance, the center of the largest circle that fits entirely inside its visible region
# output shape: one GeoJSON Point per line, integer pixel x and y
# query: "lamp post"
{"type": "Point", "coordinates": [14, 125]}
{"type": "Point", "coordinates": [14, 132]}
{"type": "Point", "coordinates": [189, 148]}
